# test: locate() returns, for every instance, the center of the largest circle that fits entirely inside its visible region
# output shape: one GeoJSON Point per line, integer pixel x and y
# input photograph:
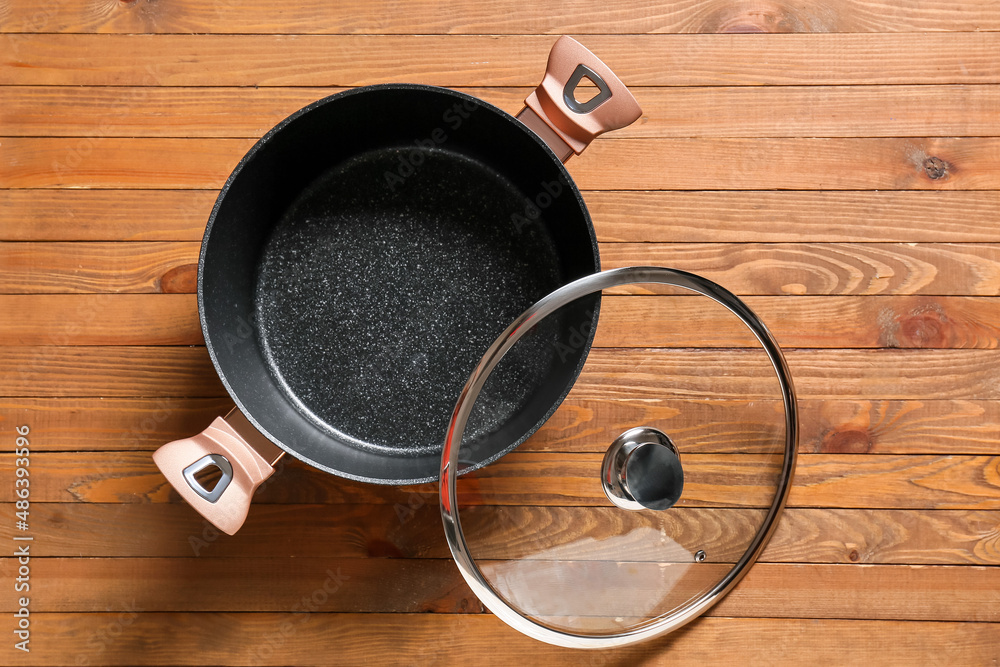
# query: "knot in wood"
{"type": "Point", "coordinates": [923, 329]}
{"type": "Point", "coordinates": [848, 440]}
{"type": "Point", "coordinates": [935, 168]}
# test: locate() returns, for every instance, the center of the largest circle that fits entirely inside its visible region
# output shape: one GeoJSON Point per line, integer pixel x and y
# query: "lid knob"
{"type": "Point", "coordinates": [642, 470]}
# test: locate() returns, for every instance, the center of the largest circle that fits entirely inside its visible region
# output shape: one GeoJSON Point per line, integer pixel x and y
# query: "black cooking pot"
{"type": "Point", "coordinates": [360, 259]}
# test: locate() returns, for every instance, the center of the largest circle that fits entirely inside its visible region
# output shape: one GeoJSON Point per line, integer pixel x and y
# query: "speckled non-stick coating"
{"type": "Point", "coordinates": [375, 299]}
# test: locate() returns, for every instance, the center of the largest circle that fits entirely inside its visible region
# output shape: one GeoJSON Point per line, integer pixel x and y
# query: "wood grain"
{"type": "Point", "coordinates": [791, 164]}
{"type": "Point", "coordinates": [794, 216]}
{"type": "Point", "coordinates": [247, 584]}
{"type": "Point", "coordinates": [108, 424]}
{"type": "Point", "coordinates": [491, 60]}
{"type": "Point", "coordinates": [641, 216]}
{"type": "Point", "coordinates": [678, 112]}
{"type": "Point", "coordinates": [891, 592]}
{"type": "Point", "coordinates": [963, 163]}
{"type": "Point", "coordinates": [105, 215]}
{"type": "Point", "coordinates": [794, 269]}
{"type": "Point", "coordinates": [507, 17]}
{"type": "Point", "coordinates": [108, 371]}
{"type": "Point", "coordinates": [711, 480]}
{"type": "Point", "coordinates": [825, 269]}
{"type": "Point", "coordinates": [61, 268]}
{"type": "Point", "coordinates": [100, 319]}
{"type": "Point", "coordinates": [832, 426]}
{"type": "Point", "coordinates": [821, 480]}
{"type": "Point", "coordinates": [610, 374]}
{"type": "Point", "coordinates": [100, 162]}
{"type": "Point", "coordinates": [741, 374]}
{"type": "Point", "coordinates": [408, 530]}
{"type": "Point", "coordinates": [886, 536]}
{"type": "Point", "coordinates": [133, 638]}
{"type": "Point", "coordinates": [625, 321]}
{"type": "Point", "coordinates": [898, 592]}
{"type": "Point", "coordinates": [817, 322]}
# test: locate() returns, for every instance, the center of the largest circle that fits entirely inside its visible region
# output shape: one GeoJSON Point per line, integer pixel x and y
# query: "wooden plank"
{"type": "Point", "coordinates": [832, 426]}
{"type": "Point", "coordinates": [637, 216]}
{"type": "Point", "coordinates": [125, 424]}
{"type": "Point", "coordinates": [711, 480]}
{"type": "Point", "coordinates": [935, 163]}
{"type": "Point", "coordinates": [100, 319]}
{"type": "Point", "coordinates": [898, 592]}
{"type": "Point", "coordinates": [117, 111]}
{"type": "Point", "coordinates": [625, 321]}
{"type": "Point", "coordinates": [491, 60]}
{"type": "Point", "coordinates": [631, 374]}
{"type": "Point", "coordinates": [505, 17]}
{"type": "Point", "coordinates": [900, 426]}
{"type": "Point", "coordinates": [891, 592]}
{"type": "Point", "coordinates": [246, 584]}
{"type": "Point", "coordinates": [108, 371]}
{"type": "Point", "coordinates": [105, 215]}
{"type": "Point", "coordinates": [790, 164]}
{"type": "Point", "coordinates": [740, 374]}
{"type": "Point", "coordinates": [885, 536]}
{"type": "Point", "coordinates": [817, 322]}
{"type": "Point", "coordinates": [135, 638]}
{"type": "Point", "coordinates": [119, 163]}
{"type": "Point", "coordinates": [821, 480]}
{"type": "Point", "coordinates": [61, 268]}
{"type": "Point", "coordinates": [411, 530]}
{"type": "Point", "coordinates": [795, 269]}
{"type": "Point", "coordinates": [817, 269]}
{"type": "Point", "coordinates": [812, 111]}
{"type": "Point", "coordinates": [679, 112]}
{"type": "Point", "coordinates": [790, 216]}
{"type": "Point", "coordinates": [953, 482]}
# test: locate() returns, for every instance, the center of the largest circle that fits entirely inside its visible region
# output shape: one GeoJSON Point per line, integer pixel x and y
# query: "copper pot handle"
{"type": "Point", "coordinates": [553, 112]}
{"type": "Point", "coordinates": [245, 457]}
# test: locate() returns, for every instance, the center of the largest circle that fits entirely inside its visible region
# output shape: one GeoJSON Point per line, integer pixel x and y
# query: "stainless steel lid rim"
{"type": "Point", "coordinates": [457, 543]}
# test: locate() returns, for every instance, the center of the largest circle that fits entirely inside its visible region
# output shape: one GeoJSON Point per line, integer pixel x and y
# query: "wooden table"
{"type": "Point", "coordinates": [843, 179]}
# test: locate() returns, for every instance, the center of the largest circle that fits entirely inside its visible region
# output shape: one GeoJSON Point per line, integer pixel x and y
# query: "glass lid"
{"type": "Point", "coordinates": [652, 488]}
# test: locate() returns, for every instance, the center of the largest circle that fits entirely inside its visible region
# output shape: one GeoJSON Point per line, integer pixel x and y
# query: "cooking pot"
{"type": "Point", "coordinates": [363, 255]}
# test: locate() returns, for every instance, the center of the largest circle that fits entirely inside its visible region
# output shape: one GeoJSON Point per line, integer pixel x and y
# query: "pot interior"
{"type": "Point", "coordinates": [373, 255]}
